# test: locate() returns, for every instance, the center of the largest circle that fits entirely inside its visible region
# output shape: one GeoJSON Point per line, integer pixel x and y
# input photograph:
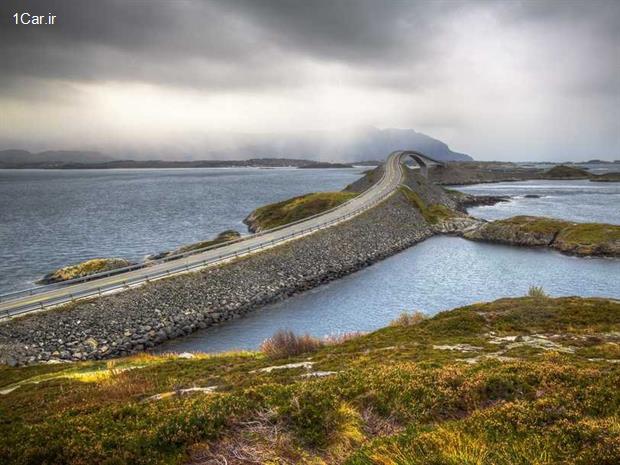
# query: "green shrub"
{"type": "Point", "coordinates": [537, 292]}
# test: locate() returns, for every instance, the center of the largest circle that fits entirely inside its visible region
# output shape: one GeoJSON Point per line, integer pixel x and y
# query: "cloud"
{"type": "Point", "coordinates": [485, 76]}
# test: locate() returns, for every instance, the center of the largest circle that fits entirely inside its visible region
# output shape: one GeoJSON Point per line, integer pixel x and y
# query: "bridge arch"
{"type": "Point", "coordinates": [423, 161]}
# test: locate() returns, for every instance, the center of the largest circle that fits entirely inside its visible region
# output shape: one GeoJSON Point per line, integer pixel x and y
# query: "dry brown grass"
{"type": "Point", "coordinates": [537, 292]}
{"type": "Point", "coordinates": [335, 339]}
{"type": "Point", "coordinates": [285, 343]}
{"type": "Point", "coordinates": [260, 440]}
{"type": "Point", "coordinates": [408, 319]}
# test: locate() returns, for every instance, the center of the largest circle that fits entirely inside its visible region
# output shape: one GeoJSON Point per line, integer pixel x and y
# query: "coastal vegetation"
{"type": "Point", "coordinates": [224, 236]}
{"type": "Point", "coordinates": [566, 172]}
{"type": "Point", "coordinates": [86, 268]}
{"type": "Point", "coordinates": [573, 172]}
{"type": "Point", "coordinates": [573, 238]}
{"type": "Point", "coordinates": [519, 380]}
{"type": "Point", "coordinates": [433, 213]}
{"type": "Point", "coordinates": [294, 209]}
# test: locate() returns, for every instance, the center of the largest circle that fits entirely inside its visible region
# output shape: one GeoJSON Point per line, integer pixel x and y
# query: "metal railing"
{"type": "Point", "coordinates": [187, 267]}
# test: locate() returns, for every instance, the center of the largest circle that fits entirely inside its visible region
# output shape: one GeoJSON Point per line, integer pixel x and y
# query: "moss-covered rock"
{"type": "Point", "coordinates": [589, 239]}
{"type": "Point", "coordinates": [86, 268]}
{"type": "Point", "coordinates": [574, 238]}
{"type": "Point", "coordinates": [297, 208]}
{"type": "Point", "coordinates": [519, 230]}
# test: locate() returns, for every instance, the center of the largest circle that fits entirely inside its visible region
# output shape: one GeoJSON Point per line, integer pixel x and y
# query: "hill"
{"type": "Point", "coordinates": [566, 172]}
{"type": "Point", "coordinates": [529, 380]}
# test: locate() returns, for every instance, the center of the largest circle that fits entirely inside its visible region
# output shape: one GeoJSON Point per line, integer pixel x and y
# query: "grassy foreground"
{"type": "Point", "coordinates": [530, 380]}
{"type": "Point", "coordinates": [297, 208]}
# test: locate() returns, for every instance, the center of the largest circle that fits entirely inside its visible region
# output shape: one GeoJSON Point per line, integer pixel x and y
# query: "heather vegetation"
{"type": "Point", "coordinates": [529, 380]}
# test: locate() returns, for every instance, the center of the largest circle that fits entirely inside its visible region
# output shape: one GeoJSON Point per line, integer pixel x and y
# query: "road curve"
{"type": "Point", "coordinates": [47, 296]}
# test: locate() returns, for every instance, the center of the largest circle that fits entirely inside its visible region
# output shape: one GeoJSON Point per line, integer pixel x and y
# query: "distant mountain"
{"type": "Point", "coordinates": [375, 144]}
{"type": "Point", "coordinates": [23, 157]}
{"type": "Point", "coordinates": [359, 145]}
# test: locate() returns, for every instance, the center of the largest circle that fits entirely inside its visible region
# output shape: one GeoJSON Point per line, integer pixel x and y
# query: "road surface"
{"type": "Point", "coordinates": [43, 297]}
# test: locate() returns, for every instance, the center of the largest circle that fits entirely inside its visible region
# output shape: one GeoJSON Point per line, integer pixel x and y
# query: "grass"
{"type": "Point", "coordinates": [288, 344]}
{"type": "Point", "coordinates": [298, 208]}
{"type": "Point", "coordinates": [225, 236]}
{"type": "Point", "coordinates": [433, 392]}
{"type": "Point", "coordinates": [408, 319]}
{"type": "Point", "coordinates": [532, 224]}
{"type": "Point", "coordinates": [88, 267]}
{"type": "Point", "coordinates": [285, 343]}
{"type": "Point", "coordinates": [589, 234]}
{"type": "Point", "coordinates": [537, 292]}
{"type": "Point", "coordinates": [582, 239]}
{"type": "Point", "coordinates": [433, 213]}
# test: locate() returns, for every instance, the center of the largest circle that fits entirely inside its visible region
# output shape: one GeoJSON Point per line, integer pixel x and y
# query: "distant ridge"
{"type": "Point", "coordinates": [359, 145]}
{"type": "Point", "coordinates": [17, 157]}
{"type": "Point", "coordinates": [115, 164]}
{"type": "Point", "coordinates": [362, 144]}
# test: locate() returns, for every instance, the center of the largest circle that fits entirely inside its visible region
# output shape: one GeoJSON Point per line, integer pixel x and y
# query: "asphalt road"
{"type": "Point", "coordinates": [46, 296]}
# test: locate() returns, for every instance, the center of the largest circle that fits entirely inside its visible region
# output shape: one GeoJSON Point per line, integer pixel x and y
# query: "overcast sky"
{"type": "Point", "coordinates": [535, 80]}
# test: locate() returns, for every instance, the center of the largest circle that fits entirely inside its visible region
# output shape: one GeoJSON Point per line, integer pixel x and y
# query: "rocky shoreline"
{"type": "Point", "coordinates": [581, 239]}
{"type": "Point", "coordinates": [140, 318]}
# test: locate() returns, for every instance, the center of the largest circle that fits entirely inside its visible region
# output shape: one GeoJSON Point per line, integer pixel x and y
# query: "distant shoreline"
{"type": "Point", "coordinates": [156, 164]}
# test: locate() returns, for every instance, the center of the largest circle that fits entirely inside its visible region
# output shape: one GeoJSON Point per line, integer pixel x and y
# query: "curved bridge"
{"type": "Point", "coordinates": [424, 161]}
{"type": "Point", "coordinates": [42, 297]}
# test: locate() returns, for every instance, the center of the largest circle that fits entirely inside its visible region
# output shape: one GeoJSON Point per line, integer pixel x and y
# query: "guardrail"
{"type": "Point", "coordinates": [44, 288]}
{"type": "Point", "coordinates": [182, 269]}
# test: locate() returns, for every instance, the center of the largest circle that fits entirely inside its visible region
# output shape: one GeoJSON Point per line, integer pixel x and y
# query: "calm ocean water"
{"type": "Point", "coordinates": [438, 274]}
{"type": "Point", "coordinates": [581, 201]}
{"type": "Point", "coordinates": [52, 218]}
{"type": "Point", "coordinates": [441, 273]}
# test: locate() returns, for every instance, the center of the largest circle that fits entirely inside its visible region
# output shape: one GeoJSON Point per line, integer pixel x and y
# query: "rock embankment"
{"type": "Point", "coordinates": [585, 239]}
{"type": "Point", "coordinates": [86, 268]}
{"type": "Point", "coordinates": [140, 318]}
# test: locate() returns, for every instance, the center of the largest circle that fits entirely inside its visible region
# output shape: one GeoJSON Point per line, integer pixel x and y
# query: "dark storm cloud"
{"type": "Point", "coordinates": [468, 67]}
{"type": "Point", "coordinates": [213, 44]}
{"type": "Point", "coordinates": [251, 44]}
